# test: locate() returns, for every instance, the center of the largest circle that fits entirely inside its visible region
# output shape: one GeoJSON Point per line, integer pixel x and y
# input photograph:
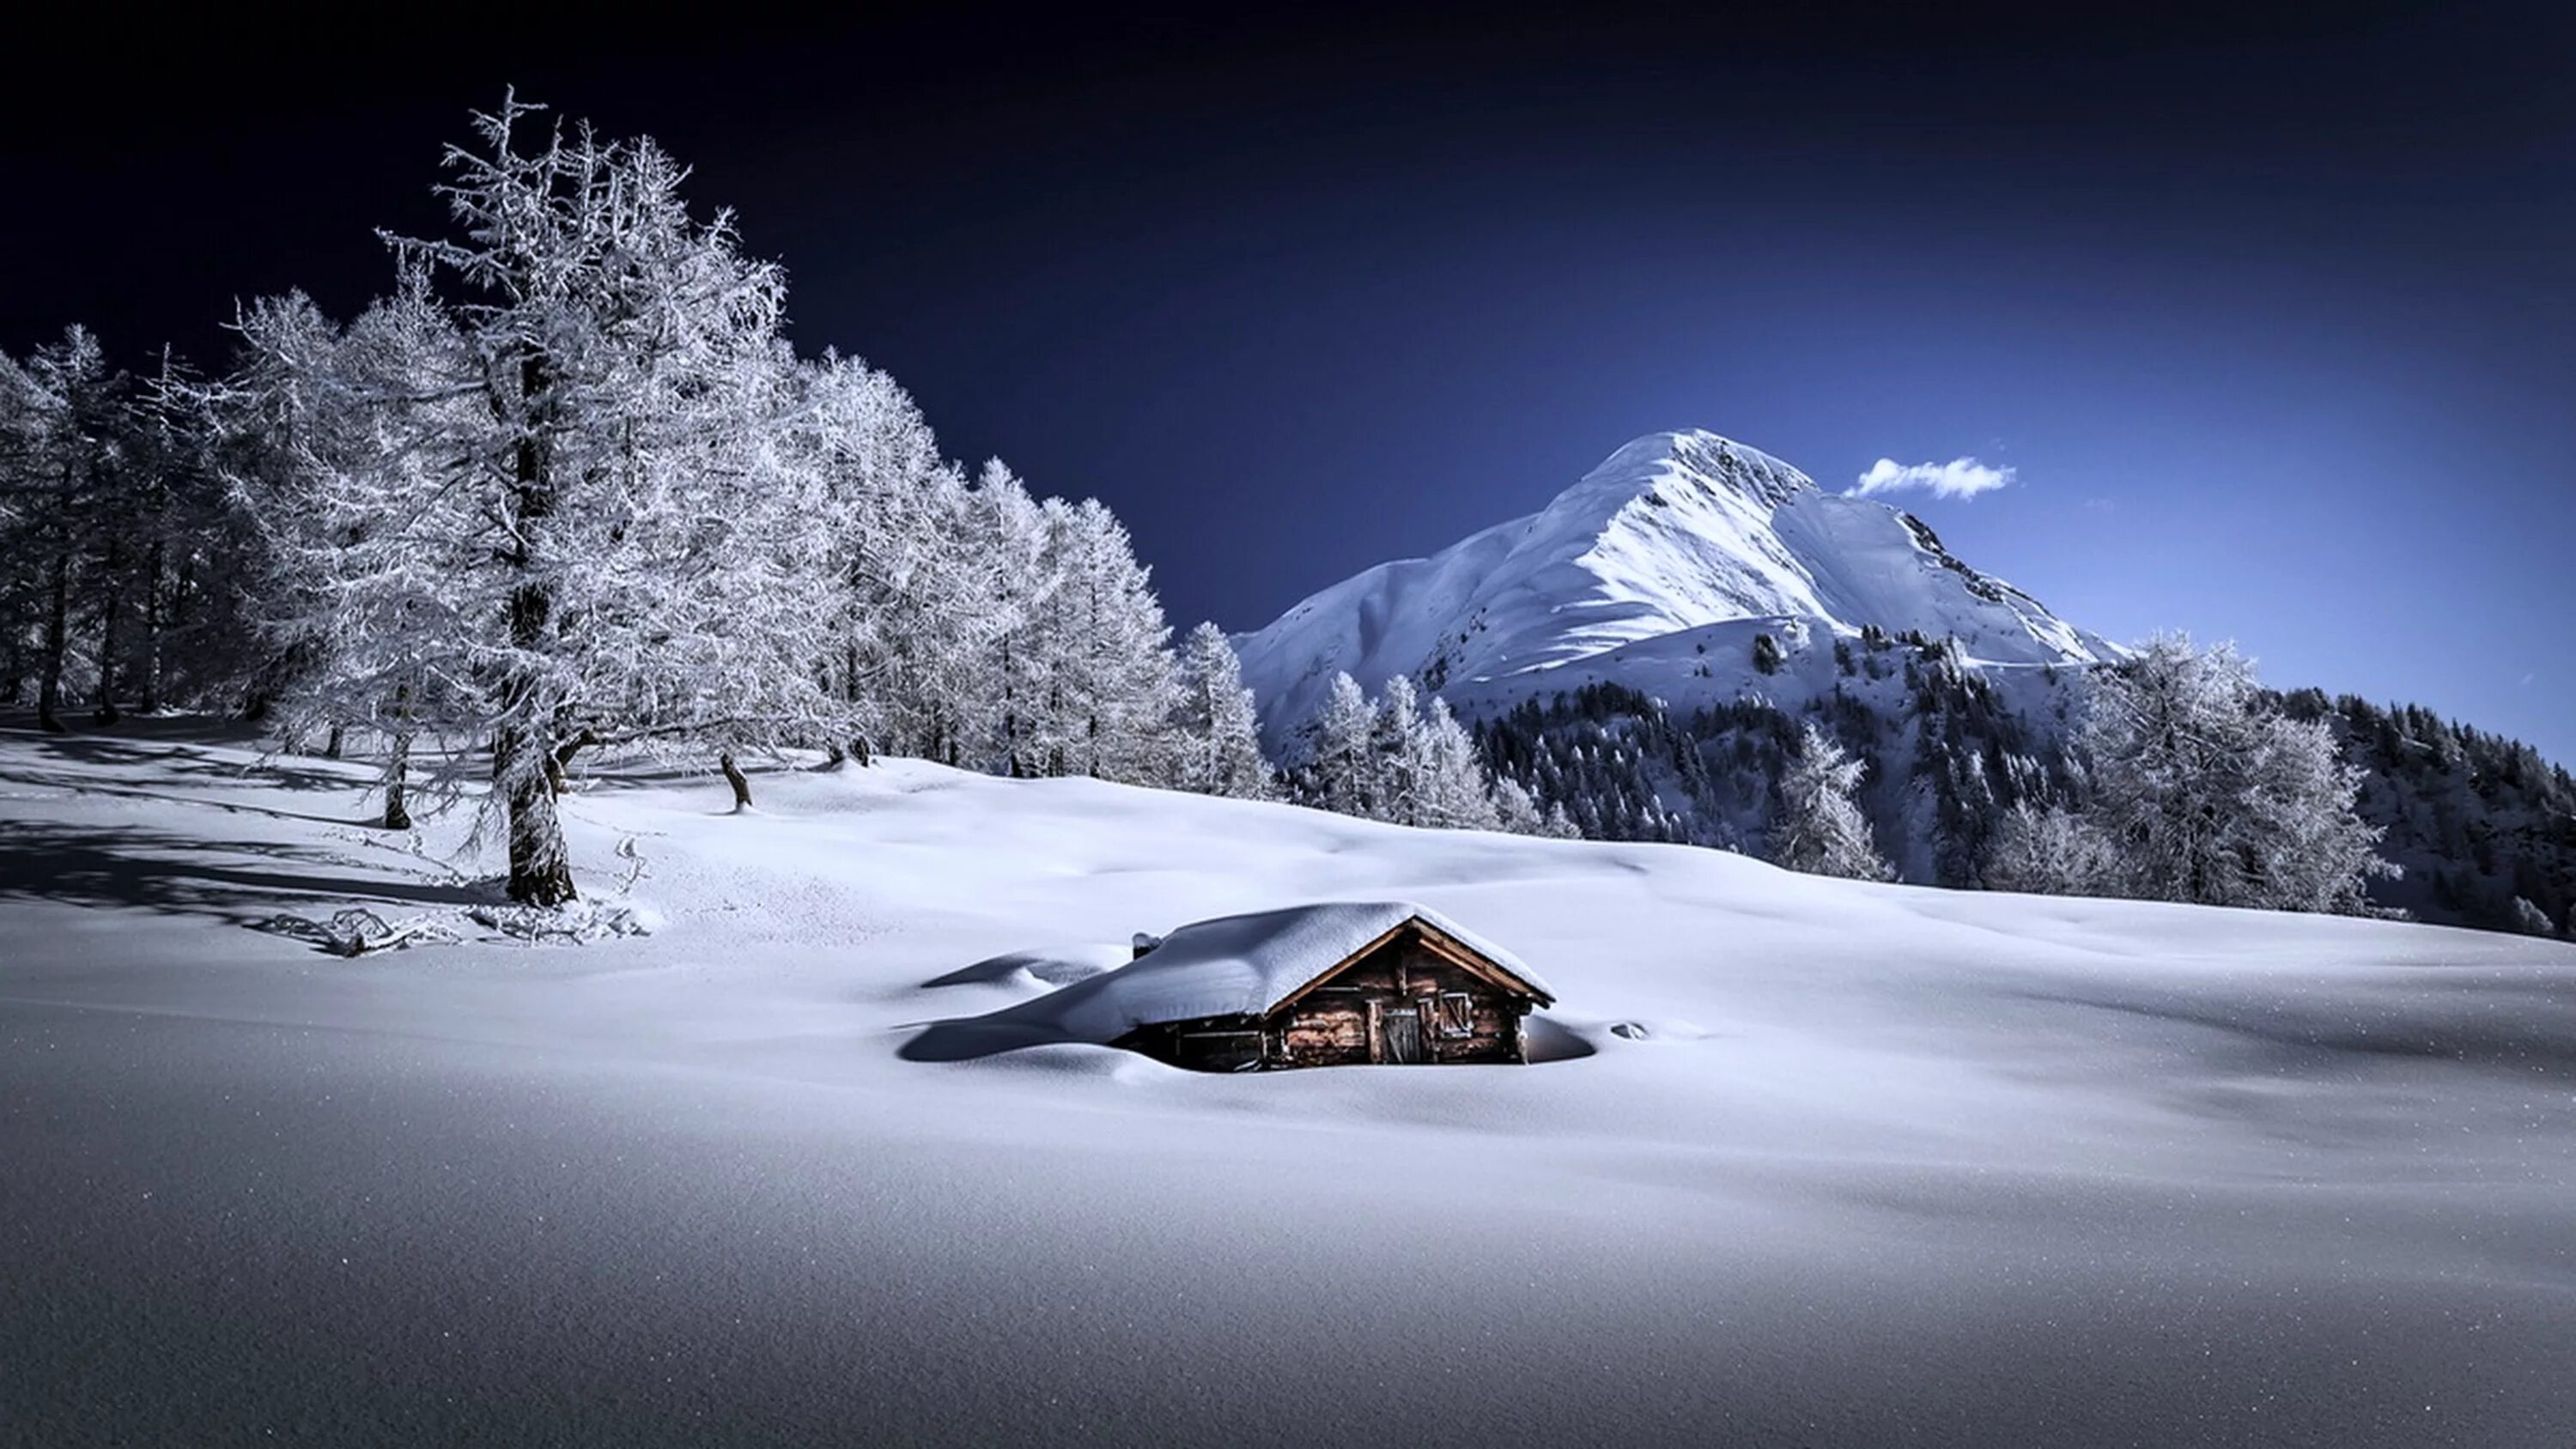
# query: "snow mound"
{"type": "Point", "coordinates": [1042, 969]}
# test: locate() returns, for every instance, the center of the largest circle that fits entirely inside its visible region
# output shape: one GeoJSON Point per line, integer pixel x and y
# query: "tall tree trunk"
{"type": "Point", "coordinates": [13, 666]}
{"type": "Point", "coordinates": [111, 618]}
{"type": "Point", "coordinates": [734, 777]}
{"type": "Point", "coordinates": [398, 782]}
{"type": "Point", "coordinates": [540, 871]}
{"type": "Point", "coordinates": [153, 605]}
{"type": "Point", "coordinates": [49, 681]}
{"type": "Point", "coordinates": [540, 867]}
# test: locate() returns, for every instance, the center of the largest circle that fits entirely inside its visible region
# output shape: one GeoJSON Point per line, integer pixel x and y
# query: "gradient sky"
{"type": "Point", "coordinates": [2270, 313]}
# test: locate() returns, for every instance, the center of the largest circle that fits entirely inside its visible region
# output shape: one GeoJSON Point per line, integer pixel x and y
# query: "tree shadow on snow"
{"type": "Point", "coordinates": [2525, 1029]}
{"type": "Point", "coordinates": [177, 767]}
{"type": "Point", "coordinates": [178, 760]}
{"type": "Point", "coordinates": [136, 867]}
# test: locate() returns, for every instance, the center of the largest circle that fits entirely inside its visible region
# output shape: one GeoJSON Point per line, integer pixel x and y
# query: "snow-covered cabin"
{"type": "Point", "coordinates": [1332, 984]}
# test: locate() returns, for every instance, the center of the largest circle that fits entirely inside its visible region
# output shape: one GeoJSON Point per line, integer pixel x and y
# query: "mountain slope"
{"type": "Point", "coordinates": [1675, 532]}
{"type": "Point", "coordinates": [1641, 653]}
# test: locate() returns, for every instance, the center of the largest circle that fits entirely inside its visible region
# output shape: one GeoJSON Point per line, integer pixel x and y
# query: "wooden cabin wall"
{"type": "Point", "coordinates": [1330, 1025]}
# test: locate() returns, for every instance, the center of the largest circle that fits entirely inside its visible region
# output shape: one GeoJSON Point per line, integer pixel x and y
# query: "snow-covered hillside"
{"type": "Point", "coordinates": [1670, 535]}
{"type": "Point", "coordinates": [1818, 1162]}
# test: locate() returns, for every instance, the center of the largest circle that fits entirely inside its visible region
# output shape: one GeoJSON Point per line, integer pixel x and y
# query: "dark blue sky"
{"type": "Point", "coordinates": [2270, 312]}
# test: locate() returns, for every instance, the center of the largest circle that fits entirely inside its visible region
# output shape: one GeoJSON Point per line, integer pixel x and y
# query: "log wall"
{"type": "Point", "coordinates": [1330, 1025]}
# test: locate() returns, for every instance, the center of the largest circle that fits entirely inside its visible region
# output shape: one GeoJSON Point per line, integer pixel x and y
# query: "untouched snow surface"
{"type": "Point", "coordinates": [1673, 532]}
{"type": "Point", "coordinates": [1821, 1163]}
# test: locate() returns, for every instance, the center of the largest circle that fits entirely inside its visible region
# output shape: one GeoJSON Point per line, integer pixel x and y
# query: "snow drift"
{"type": "Point", "coordinates": [1847, 1164]}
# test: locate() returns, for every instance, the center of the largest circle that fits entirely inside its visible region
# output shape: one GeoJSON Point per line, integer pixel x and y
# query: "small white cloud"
{"type": "Point", "coordinates": [2526, 679]}
{"type": "Point", "coordinates": [2100, 505]}
{"type": "Point", "coordinates": [1958, 478]}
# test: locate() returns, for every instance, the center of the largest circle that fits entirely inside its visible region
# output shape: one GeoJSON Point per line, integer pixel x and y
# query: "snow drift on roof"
{"type": "Point", "coordinates": [1239, 966]}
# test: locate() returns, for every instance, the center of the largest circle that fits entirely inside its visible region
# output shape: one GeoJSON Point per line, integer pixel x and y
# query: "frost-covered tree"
{"type": "Point", "coordinates": [356, 605]}
{"type": "Point", "coordinates": [65, 492]}
{"type": "Point", "coordinates": [2531, 920]}
{"type": "Point", "coordinates": [1217, 729]}
{"type": "Point", "coordinates": [1451, 789]}
{"type": "Point", "coordinates": [21, 551]}
{"type": "Point", "coordinates": [909, 587]}
{"type": "Point", "coordinates": [1009, 714]}
{"type": "Point", "coordinates": [1819, 827]}
{"type": "Point", "coordinates": [1101, 662]}
{"type": "Point", "coordinates": [570, 508]}
{"type": "Point", "coordinates": [187, 580]}
{"type": "Point", "coordinates": [1517, 811]}
{"type": "Point", "coordinates": [1398, 761]}
{"type": "Point", "coordinates": [2050, 850]}
{"type": "Point", "coordinates": [2209, 793]}
{"type": "Point", "coordinates": [1341, 771]}
{"type": "Point", "coordinates": [1397, 753]}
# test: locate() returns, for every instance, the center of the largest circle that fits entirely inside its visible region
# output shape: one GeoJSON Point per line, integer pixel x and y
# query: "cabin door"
{"type": "Point", "coordinates": [1399, 1035]}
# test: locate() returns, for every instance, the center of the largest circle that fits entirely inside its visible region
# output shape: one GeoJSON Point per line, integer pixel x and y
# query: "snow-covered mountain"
{"type": "Point", "coordinates": [1656, 571]}
{"type": "Point", "coordinates": [1641, 652]}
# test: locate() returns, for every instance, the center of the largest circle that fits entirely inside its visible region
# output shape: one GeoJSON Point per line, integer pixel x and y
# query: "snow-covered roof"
{"type": "Point", "coordinates": [1243, 966]}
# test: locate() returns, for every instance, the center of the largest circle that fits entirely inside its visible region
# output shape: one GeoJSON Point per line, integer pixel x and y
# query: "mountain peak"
{"type": "Point", "coordinates": [1689, 458]}
{"type": "Point", "coordinates": [1657, 569]}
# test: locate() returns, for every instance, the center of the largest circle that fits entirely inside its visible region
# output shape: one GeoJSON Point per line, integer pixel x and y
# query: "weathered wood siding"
{"type": "Point", "coordinates": [1463, 1016]}
{"type": "Point", "coordinates": [1331, 1025]}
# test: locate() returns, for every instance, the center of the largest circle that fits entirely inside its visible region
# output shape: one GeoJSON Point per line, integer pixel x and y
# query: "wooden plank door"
{"type": "Point", "coordinates": [1401, 1029]}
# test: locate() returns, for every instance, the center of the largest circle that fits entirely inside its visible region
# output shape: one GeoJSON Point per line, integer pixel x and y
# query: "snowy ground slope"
{"type": "Point", "coordinates": [1674, 532]}
{"type": "Point", "coordinates": [1842, 1164]}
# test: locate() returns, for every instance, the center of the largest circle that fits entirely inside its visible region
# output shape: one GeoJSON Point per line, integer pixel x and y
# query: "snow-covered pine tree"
{"type": "Point", "coordinates": [1010, 715]}
{"type": "Point", "coordinates": [1819, 827]}
{"type": "Point", "coordinates": [1517, 811]}
{"type": "Point", "coordinates": [20, 549]}
{"type": "Point", "coordinates": [2531, 920]}
{"type": "Point", "coordinates": [925, 622]}
{"type": "Point", "coordinates": [1396, 752]}
{"type": "Point", "coordinates": [1218, 728]}
{"type": "Point", "coordinates": [69, 421]}
{"type": "Point", "coordinates": [2209, 793]}
{"type": "Point", "coordinates": [1451, 789]}
{"type": "Point", "coordinates": [1341, 769]}
{"type": "Point", "coordinates": [187, 546]}
{"type": "Point", "coordinates": [1105, 651]}
{"type": "Point", "coordinates": [886, 496]}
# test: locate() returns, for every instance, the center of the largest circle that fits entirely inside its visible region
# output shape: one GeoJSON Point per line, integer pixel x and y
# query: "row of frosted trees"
{"type": "Point", "coordinates": [118, 584]}
{"type": "Point", "coordinates": [566, 487]}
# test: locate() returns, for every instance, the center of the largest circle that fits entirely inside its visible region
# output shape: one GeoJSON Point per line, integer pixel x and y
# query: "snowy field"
{"type": "Point", "coordinates": [1819, 1164]}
